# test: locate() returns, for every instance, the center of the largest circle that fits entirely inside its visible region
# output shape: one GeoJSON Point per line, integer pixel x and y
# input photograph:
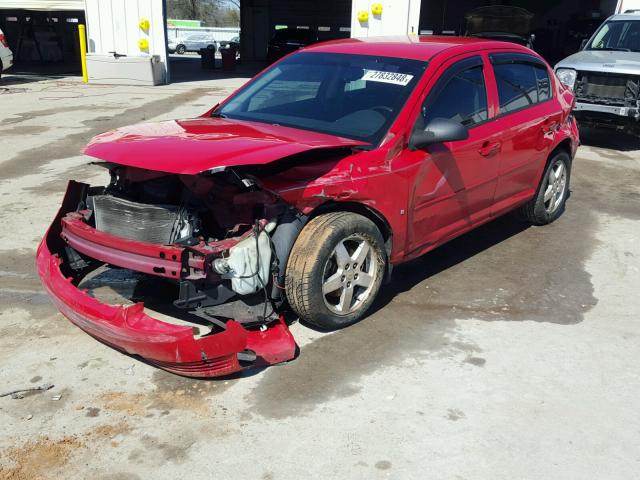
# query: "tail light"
{"type": "Point", "coordinates": [3, 40]}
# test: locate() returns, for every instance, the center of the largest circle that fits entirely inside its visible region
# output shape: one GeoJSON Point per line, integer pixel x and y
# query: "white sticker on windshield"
{"type": "Point", "coordinates": [387, 77]}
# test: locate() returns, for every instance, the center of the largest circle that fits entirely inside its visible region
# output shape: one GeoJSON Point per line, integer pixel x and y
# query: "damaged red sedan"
{"type": "Point", "coordinates": [300, 192]}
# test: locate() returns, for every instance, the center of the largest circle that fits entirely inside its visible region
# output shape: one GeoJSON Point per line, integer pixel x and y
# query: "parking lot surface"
{"type": "Point", "coordinates": [510, 352]}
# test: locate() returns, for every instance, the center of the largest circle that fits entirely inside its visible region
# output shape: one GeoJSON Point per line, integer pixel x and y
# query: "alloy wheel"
{"type": "Point", "coordinates": [349, 275]}
{"type": "Point", "coordinates": [556, 187]}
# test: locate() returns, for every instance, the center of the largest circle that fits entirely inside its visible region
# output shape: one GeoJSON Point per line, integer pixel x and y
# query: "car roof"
{"type": "Point", "coordinates": [410, 46]}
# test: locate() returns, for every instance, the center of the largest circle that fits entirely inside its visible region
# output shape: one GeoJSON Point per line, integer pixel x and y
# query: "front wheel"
{"type": "Point", "coordinates": [335, 269]}
{"type": "Point", "coordinates": [552, 193]}
{"type": "Point", "coordinates": [181, 49]}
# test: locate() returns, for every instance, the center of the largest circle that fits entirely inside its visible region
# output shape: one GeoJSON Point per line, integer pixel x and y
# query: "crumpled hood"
{"type": "Point", "coordinates": [603, 61]}
{"type": "Point", "coordinates": [200, 144]}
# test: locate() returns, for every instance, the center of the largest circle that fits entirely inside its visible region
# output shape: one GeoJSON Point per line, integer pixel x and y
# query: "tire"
{"type": "Point", "coordinates": [541, 211]}
{"type": "Point", "coordinates": [181, 49]}
{"type": "Point", "coordinates": [317, 257]}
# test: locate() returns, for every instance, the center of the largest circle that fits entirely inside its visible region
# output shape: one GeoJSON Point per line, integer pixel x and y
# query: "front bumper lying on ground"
{"type": "Point", "coordinates": [170, 347]}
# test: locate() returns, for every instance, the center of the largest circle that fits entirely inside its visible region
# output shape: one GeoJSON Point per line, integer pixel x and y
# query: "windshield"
{"type": "Point", "coordinates": [622, 35]}
{"type": "Point", "coordinates": [352, 96]}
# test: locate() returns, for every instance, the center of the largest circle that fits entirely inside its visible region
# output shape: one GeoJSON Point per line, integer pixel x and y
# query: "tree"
{"type": "Point", "coordinates": [212, 13]}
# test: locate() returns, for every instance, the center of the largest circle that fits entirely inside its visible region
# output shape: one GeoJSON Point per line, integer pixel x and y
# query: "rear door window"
{"type": "Point", "coordinates": [517, 86]}
{"type": "Point", "coordinates": [522, 80]}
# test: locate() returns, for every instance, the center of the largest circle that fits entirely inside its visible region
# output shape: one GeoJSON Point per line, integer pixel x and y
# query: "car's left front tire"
{"type": "Point", "coordinates": [335, 269]}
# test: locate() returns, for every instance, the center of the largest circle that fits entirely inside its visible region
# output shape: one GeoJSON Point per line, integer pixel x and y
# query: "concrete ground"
{"type": "Point", "coordinates": [509, 353]}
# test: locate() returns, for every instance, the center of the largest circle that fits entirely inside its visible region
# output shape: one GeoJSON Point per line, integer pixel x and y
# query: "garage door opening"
{"type": "Point", "coordinates": [272, 28]}
{"type": "Point", "coordinates": [43, 42]}
{"type": "Point", "coordinates": [558, 27]}
{"type": "Point", "coordinates": [198, 35]}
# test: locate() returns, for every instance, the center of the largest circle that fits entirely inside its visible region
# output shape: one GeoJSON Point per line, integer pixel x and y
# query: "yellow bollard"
{"type": "Point", "coordinates": [83, 53]}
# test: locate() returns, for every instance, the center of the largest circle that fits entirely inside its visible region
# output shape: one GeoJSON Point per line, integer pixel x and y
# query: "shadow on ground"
{"type": "Point", "coordinates": [188, 68]}
{"type": "Point", "coordinates": [13, 79]}
{"type": "Point", "coordinates": [610, 139]}
{"type": "Point", "coordinates": [502, 271]}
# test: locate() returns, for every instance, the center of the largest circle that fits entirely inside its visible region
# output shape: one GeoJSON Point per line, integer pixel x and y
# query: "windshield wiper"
{"type": "Point", "coordinates": [218, 115]}
{"type": "Point", "coordinates": [361, 148]}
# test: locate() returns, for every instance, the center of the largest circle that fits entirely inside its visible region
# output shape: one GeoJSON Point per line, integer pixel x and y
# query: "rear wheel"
{"type": "Point", "coordinates": [181, 49]}
{"type": "Point", "coordinates": [335, 269]}
{"type": "Point", "coordinates": [548, 204]}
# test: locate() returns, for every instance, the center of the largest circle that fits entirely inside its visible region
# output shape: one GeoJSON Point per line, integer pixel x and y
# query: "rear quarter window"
{"type": "Point", "coordinates": [544, 84]}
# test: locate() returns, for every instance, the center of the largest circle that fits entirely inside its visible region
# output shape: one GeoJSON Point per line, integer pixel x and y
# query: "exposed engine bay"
{"type": "Point", "coordinates": [608, 89]}
{"type": "Point", "coordinates": [197, 247]}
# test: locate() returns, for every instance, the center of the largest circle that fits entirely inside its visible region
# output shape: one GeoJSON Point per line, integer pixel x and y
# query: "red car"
{"type": "Point", "coordinates": [300, 192]}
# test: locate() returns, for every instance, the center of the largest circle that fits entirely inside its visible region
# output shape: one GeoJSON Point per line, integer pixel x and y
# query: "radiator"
{"type": "Point", "coordinates": [160, 224]}
{"type": "Point", "coordinates": [612, 88]}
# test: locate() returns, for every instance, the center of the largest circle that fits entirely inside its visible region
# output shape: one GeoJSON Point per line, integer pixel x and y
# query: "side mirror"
{"type": "Point", "coordinates": [437, 131]}
{"type": "Point", "coordinates": [584, 43]}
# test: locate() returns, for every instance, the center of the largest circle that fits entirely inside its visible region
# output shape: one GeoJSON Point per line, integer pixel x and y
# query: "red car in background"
{"type": "Point", "coordinates": [300, 192]}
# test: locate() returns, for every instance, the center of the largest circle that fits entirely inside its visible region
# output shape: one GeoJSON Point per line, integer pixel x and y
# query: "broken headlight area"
{"type": "Point", "coordinates": [197, 250]}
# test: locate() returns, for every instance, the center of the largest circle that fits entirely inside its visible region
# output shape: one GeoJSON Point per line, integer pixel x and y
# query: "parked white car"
{"type": "Point", "coordinates": [6, 55]}
{"type": "Point", "coordinates": [192, 43]}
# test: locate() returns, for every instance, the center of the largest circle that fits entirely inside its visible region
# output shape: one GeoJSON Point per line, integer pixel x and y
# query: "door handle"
{"type": "Point", "coordinates": [489, 149]}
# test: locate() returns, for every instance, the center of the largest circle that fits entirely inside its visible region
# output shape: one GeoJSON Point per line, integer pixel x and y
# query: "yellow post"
{"type": "Point", "coordinates": [83, 53]}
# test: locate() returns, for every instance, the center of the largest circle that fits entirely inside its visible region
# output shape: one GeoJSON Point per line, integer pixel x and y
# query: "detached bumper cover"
{"type": "Point", "coordinates": [170, 347]}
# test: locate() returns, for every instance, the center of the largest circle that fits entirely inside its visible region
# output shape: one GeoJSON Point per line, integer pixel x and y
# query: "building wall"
{"type": "Point", "coordinates": [624, 5]}
{"type": "Point", "coordinates": [44, 5]}
{"type": "Point", "coordinates": [398, 17]}
{"type": "Point", "coordinates": [114, 26]}
{"type": "Point", "coordinates": [254, 25]}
